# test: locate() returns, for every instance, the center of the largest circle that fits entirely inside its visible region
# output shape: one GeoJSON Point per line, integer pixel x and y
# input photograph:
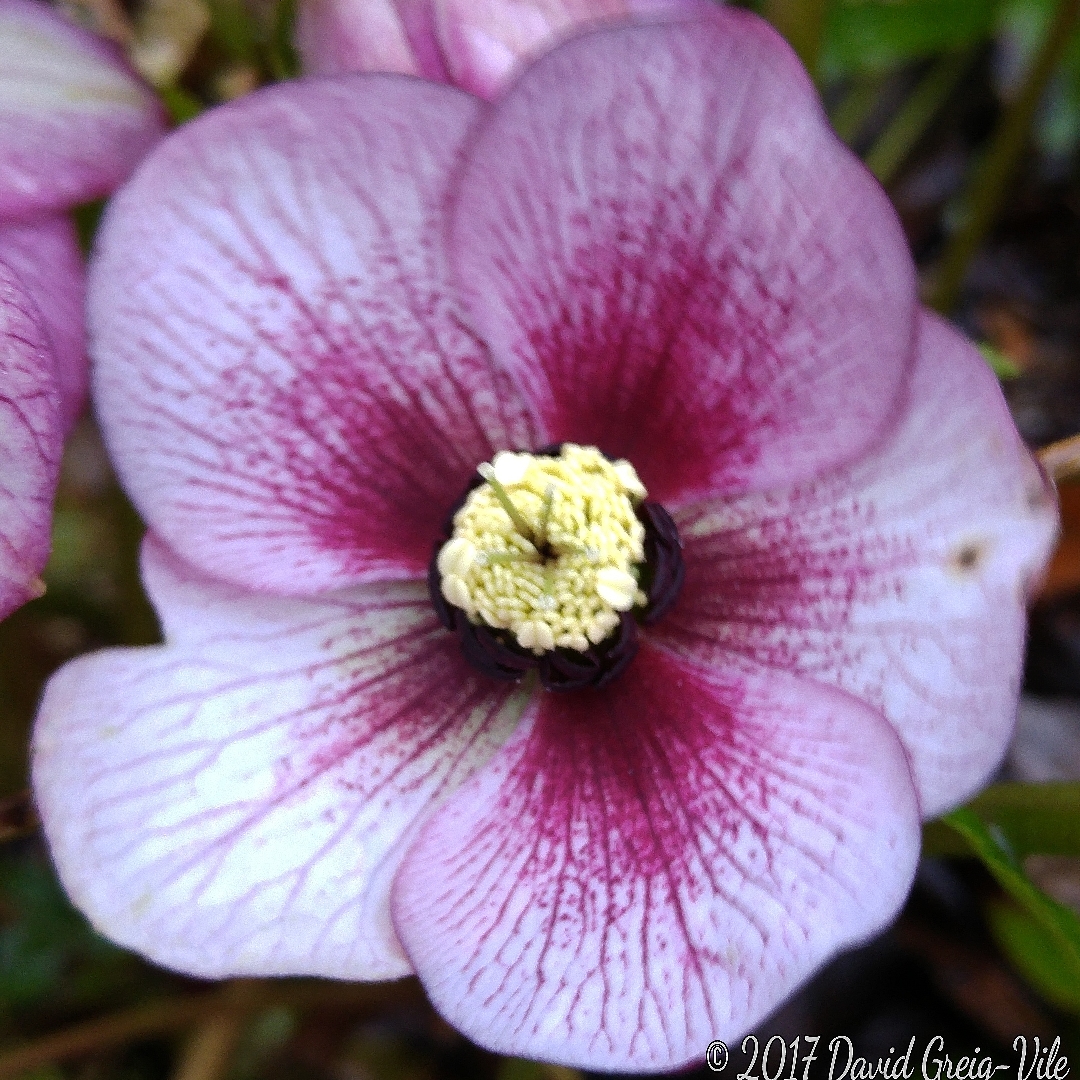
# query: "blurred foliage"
{"type": "Point", "coordinates": [48, 955]}
{"type": "Point", "coordinates": [1023, 819]}
{"type": "Point", "coordinates": [1059, 924]}
{"type": "Point", "coordinates": [1002, 827]}
{"type": "Point", "coordinates": [1023, 24]}
{"type": "Point", "coordinates": [863, 36]}
{"type": "Point", "coordinates": [1035, 951]}
{"type": "Point", "coordinates": [1003, 366]}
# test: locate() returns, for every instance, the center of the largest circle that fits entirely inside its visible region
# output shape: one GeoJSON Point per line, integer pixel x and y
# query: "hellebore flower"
{"type": "Point", "coordinates": [73, 123]}
{"type": "Point", "coordinates": [328, 314]}
{"type": "Point", "coordinates": [474, 44]}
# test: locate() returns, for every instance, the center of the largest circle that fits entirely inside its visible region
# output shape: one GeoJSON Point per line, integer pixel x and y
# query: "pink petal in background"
{"type": "Point", "coordinates": [336, 37]}
{"type": "Point", "coordinates": [646, 869]}
{"type": "Point", "coordinates": [74, 119]}
{"type": "Point", "coordinates": [475, 44]}
{"type": "Point", "coordinates": [233, 802]}
{"type": "Point", "coordinates": [903, 579]}
{"type": "Point", "coordinates": [31, 437]}
{"type": "Point", "coordinates": [485, 42]}
{"type": "Point", "coordinates": [45, 255]}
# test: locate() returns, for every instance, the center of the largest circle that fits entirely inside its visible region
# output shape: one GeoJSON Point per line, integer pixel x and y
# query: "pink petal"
{"type": "Point", "coordinates": [418, 18]}
{"type": "Point", "coordinates": [74, 119]}
{"type": "Point", "coordinates": [46, 257]}
{"type": "Point", "coordinates": [902, 579]}
{"type": "Point", "coordinates": [485, 42]}
{"type": "Point", "coordinates": [339, 36]}
{"type": "Point", "coordinates": [475, 44]}
{"type": "Point", "coordinates": [659, 229]}
{"type": "Point", "coordinates": [31, 438]}
{"type": "Point", "coordinates": [232, 803]}
{"type": "Point", "coordinates": [657, 865]}
{"type": "Point", "coordinates": [287, 389]}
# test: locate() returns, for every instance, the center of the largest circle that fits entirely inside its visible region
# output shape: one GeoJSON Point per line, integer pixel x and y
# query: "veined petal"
{"type": "Point", "coordinates": [646, 869]}
{"type": "Point", "coordinates": [46, 257]}
{"type": "Point", "coordinates": [657, 227]}
{"type": "Point", "coordinates": [31, 441]}
{"type": "Point", "coordinates": [232, 803]}
{"type": "Point", "coordinates": [74, 118]}
{"type": "Point", "coordinates": [902, 580]}
{"type": "Point", "coordinates": [283, 380]}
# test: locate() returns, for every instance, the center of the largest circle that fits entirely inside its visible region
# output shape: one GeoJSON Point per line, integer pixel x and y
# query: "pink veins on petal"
{"type": "Point", "coordinates": [314, 312]}
{"type": "Point", "coordinates": [30, 442]}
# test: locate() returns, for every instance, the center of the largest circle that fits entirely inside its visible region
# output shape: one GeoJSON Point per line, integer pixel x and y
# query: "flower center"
{"type": "Point", "coordinates": [545, 561]}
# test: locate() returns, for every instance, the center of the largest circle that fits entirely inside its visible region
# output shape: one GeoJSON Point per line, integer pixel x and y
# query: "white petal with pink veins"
{"type": "Point", "coordinates": [645, 869]}
{"type": "Point", "coordinates": [903, 579]}
{"type": "Point", "coordinates": [285, 384]}
{"type": "Point", "coordinates": [233, 802]}
{"type": "Point", "coordinates": [74, 118]}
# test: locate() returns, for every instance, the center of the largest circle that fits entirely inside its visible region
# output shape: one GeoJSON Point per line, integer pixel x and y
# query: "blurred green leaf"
{"type": "Point", "coordinates": [282, 57]}
{"type": "Point", "coordinates": [182, 105]}
{"type": "Point", "coordinates": [235, 29]}
{"type": "Point", "coordinates": [1059, 925]}
{"type": "Point", "coordinates": [1035, 953]}
{"type": "Point", "coordinates": [1002, 366]}
{"type": "Point", "coordinates": [1031, 819]}
{"type": "Point", "coordinates": [802, 23]}
{"type": "Point", "coordinates": [47, 950]}
{"type": "Point", "coordinates": [939, 841]}
{"type": "Point", "coordinates": [1037, 819]}
{"type": "Point", "coordinates": [875, 35]}
{"type": "Point", "coordinates": [259, 38]}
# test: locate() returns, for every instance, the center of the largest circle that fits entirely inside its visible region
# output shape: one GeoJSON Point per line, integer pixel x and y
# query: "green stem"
{"type": "Point", "coordinates": [917, 113]}
{"type": "Point", "coordinates": [802, 23]}
{"type": "Point", "coordinates": [991, 181]}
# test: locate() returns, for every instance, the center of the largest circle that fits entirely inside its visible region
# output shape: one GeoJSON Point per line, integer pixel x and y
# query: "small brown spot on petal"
{"type": "Point", "coordinates": [967, 557]}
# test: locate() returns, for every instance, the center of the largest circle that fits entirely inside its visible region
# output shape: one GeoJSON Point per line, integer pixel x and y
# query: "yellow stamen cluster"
{"type": "Point", "coordinates": [548, 548]}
